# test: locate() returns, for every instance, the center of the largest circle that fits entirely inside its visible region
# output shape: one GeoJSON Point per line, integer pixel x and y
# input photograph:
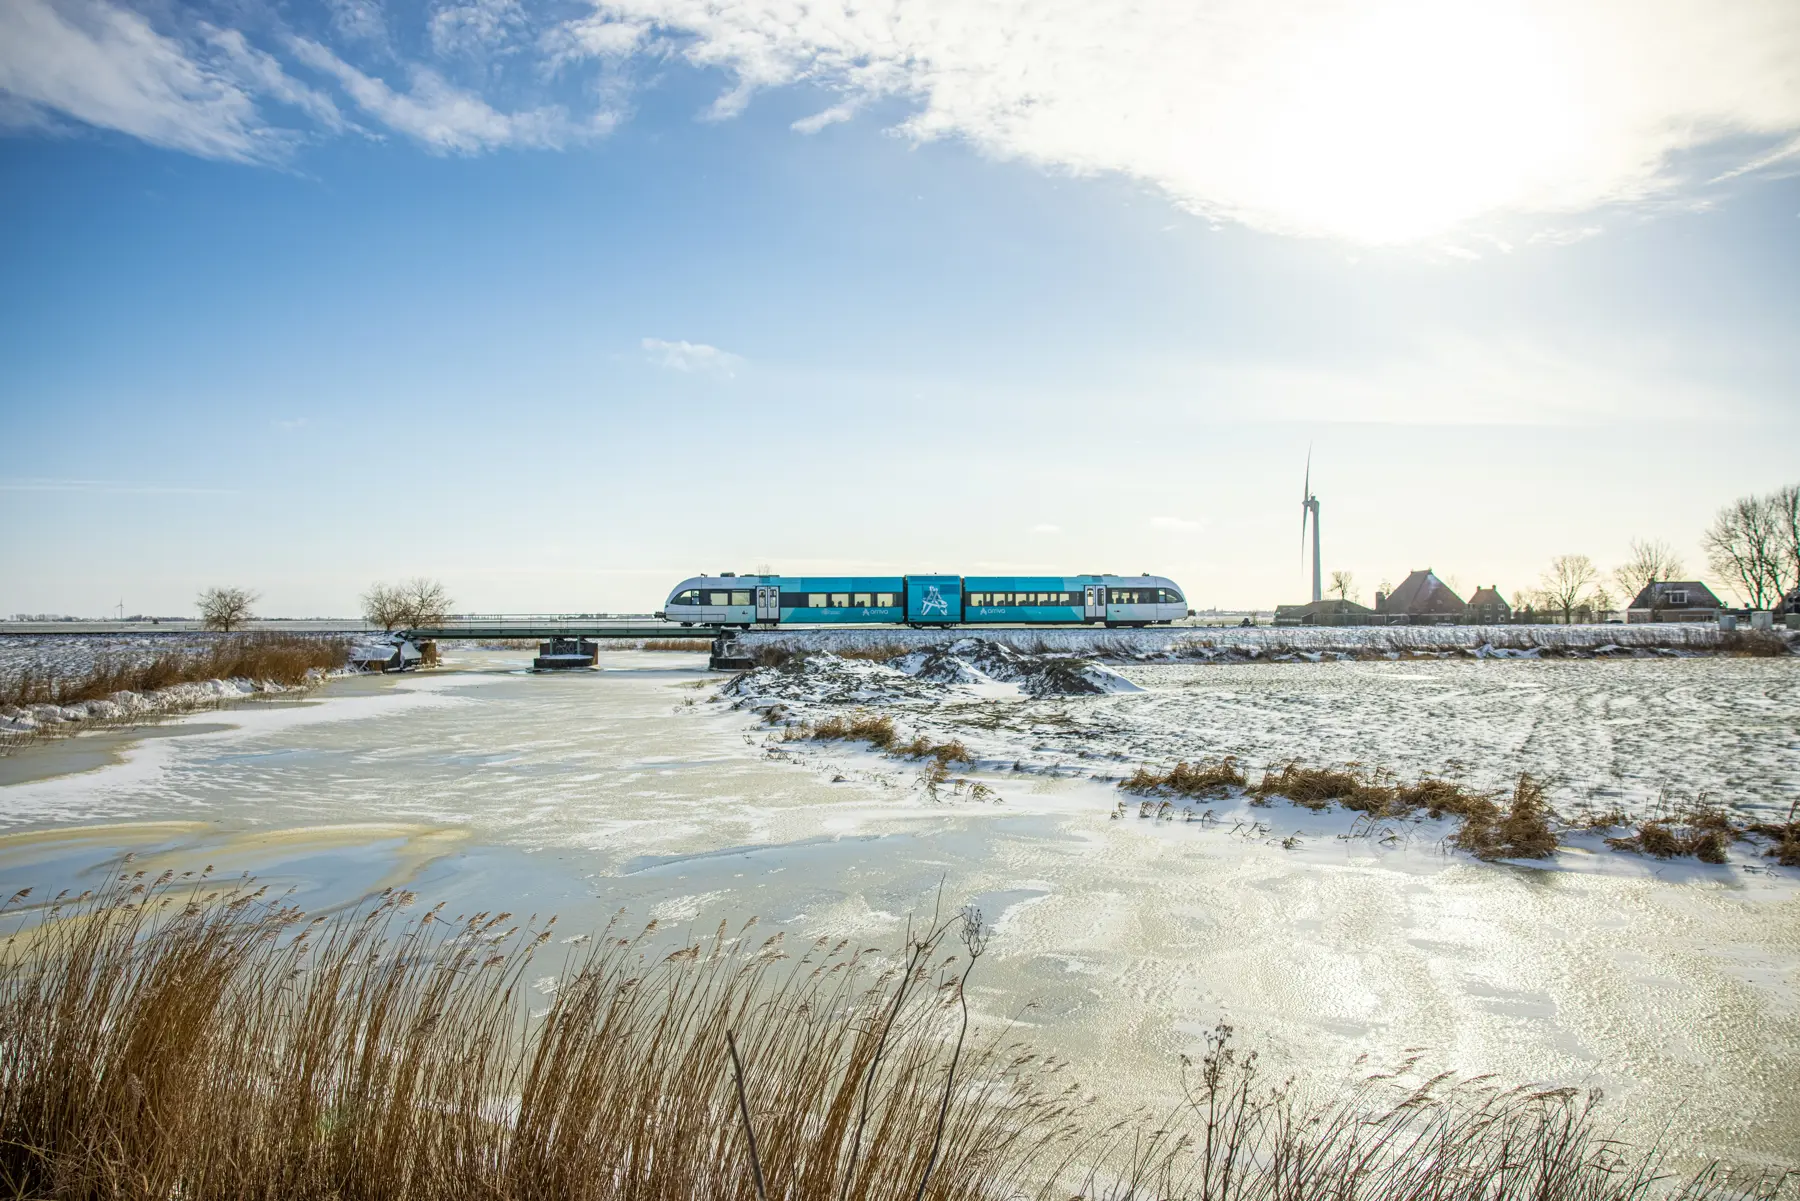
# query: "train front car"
{"type": "Point", "coordinates": [1072, 600]}
{"type": "Point", "coordinates": [1141, 600]}
{"type": "Point", "coordinates": [747, 600]}
{"type": "Point", "coordinates": [716, 600]}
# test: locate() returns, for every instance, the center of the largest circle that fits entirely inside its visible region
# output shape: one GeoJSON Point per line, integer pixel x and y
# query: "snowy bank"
{"type": "Point", "coordinates": [1238, 644]}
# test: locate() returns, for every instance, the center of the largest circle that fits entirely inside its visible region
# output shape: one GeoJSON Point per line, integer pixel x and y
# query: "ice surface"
{"type": "Point", "coordinates": [1676, 988]}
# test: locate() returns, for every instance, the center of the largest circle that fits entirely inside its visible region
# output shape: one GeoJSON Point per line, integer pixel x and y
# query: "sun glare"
{"type": "Point", "coordinates": [1412, 121]}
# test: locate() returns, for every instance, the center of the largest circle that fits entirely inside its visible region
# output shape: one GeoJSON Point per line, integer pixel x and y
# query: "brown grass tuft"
{"type": "Point", "coordinates": [1521, 831]}
{"type": "Point", "coordinates": [1213, 777]}
{"type": "Point", "coordinates": [876, 730]}
{"type": "Point", "coordinates": [676, 644]}
{"type": "Point", "coordinates": [1704, 831]}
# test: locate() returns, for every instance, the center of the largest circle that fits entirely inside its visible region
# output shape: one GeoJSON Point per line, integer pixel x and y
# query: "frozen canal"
{"type": "Point", "coordinates": [1675, 988]}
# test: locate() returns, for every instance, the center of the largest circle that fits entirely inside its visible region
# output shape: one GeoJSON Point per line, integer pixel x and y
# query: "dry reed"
{"type": "Point", "coordinates": [287, 659]}
{"type": "Point", "coordinates": [676, 644]}
{"type": "Point", "coordinates": [878, 731]}
{"type": "Point", "coordinates": [1517, 829]}
{"type": "Point", "coordinates": [179, 1039]}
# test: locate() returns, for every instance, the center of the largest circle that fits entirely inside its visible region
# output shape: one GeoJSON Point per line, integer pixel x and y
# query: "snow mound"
{"type": "Point", "coordinates": [921, 674]}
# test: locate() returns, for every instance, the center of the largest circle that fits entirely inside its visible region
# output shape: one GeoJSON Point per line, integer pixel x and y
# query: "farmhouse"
{"type": "Point", "coordinates": [1487, 608]}
{"type": "Point", "coordinates": [1332, 611]}
{"type": "Point", "coordinates": [1421, 599]}
{"type": "Point", "coordinates": [1674, 600]}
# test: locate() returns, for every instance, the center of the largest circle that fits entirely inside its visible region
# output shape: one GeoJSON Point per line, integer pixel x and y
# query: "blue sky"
{"type": "Point", "coordinates": [562, 302]}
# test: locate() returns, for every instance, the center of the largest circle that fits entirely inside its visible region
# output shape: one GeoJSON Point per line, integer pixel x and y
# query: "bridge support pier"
{"type": "Point", "coordinates": [725, 654]}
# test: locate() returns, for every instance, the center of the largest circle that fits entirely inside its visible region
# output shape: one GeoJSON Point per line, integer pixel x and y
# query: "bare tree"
{"type": "Point", "coordinates": [427, 601]}
{"type": "Point", "coordinates": [410, 603]}
{"type": "Point", "coordinates": [1653, 561]}
{"type": "Point", "coordinates": [1344, 584]}
{"type": "Point", "coordinates": [226, 609]}
{"type": "Point", "coordinates": [1566, 584]}
{"type": "Point", "coordinates": [384, 605]}
{"type": "Point", "coordinates": [1745, 547]}
{"type": "Point", "coordinates": [1786, 503]}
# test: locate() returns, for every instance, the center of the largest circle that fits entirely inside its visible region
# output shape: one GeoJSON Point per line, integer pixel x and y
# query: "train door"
{"type": "Point", "coordinates": [1095, 602]}
{"type": "Point", "coordinates": [768, 603]}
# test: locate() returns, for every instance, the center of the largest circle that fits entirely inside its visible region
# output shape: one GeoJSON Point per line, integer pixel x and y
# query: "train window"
{"type": "Point", "coordinates": [815, 600]}
{"type": "Point", "coordinates": [860, 601]}
{"type": "Point", "coordinates": [884, 600]}
{"type": "Point", "coordinates": [1169, 596]}
{"type": "Point", "coordinates": [740, 598]}
{"type": "Point", "coordinates": [719, 598]}
{"type": "Point", "coordinates": [690, 597]}
{"type": "Point", "coordinates": [840, 600]}
{"type": "Point", "coordinates": [977, 599]}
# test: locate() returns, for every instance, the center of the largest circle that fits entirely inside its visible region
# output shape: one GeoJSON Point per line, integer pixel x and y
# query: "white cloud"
{"type": "Point", "coordinates": [473, 28]}
{"type": "Point", "coordinates": [439, 114]}
{"type": "Point", "coordinates": [692, 356]}
{"type": "Point", "coordinates": [105, 66]}
{"type": "Point", "coordinates": [591, 37]}
{"type": "Point", "coordinates": [259, 71]}
{"type": "Point", "coordinates": [1046, 528]}
{"type": "Point", "coordinates": [1176, 525]}
{"type": "Point", "coordinates": [359, 20]}
{"type": "Point", "coordinates": [1376, 122]}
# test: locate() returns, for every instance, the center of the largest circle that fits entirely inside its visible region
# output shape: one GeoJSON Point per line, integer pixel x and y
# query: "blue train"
{"type": "Point", "coordinates": [925, 600]}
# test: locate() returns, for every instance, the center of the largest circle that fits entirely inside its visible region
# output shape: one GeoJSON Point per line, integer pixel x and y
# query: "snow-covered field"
{"type": "Point", "coordinates": [1273, 643]}
{"type": "Point", "coordinates": [71, 656]}
{"type": "Point", "coordinates": [1639, 735]}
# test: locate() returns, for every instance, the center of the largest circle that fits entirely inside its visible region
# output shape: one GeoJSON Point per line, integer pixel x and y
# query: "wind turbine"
{"type": "Point", "coordinates": [1309, 504]}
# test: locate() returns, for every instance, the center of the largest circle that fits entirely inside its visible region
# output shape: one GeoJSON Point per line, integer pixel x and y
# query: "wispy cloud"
{"type": "Point", "coordinates": [433, 111]}
{"type": "Point", "coordinates": [289, 425]}
{"type": "Point", "coordinates": [1176, 525]}
{"type": "Point", "coordinates": [474, 28]}
{"type": "Point", "coordinates": [104, 66]}
{"type": "Point", "coordinates": [1046, 528]}
{"type": "Point", "coordinates": [692, 356]}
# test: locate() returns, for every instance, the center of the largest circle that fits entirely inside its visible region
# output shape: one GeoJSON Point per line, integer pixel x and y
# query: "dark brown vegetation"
{"type": "Point", "coordinates": [1492, 827]}
{"type": "Point", "coordinates": [676, 644]}
{"type": "Point", "coordinates": [285, 659]}
{"type": "Point", "coordinates": [178, 1039]}
{"type": "Point", "coordinates": [922, 747]}
{"type": "Point", "coordinates": [1706, 832]}
{"type": "Point", "coordinates": [1212, 778]}
{"type": "Point", "coordinates": [877, 731]}
{"type": "Point", "coordinates": [1756, 644]}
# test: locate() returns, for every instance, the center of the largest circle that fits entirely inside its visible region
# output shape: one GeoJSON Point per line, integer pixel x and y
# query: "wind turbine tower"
{"type": "Point", "coordinates": [1309, 507]}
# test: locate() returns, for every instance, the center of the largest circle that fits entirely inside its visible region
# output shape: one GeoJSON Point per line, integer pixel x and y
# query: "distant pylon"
{"type": "Point", "coordinates": [1309, 506]}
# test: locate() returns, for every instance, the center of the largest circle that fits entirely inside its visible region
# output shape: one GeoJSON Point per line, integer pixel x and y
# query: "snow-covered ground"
{"type": "Point", "coordinates": [1675, 987]}
{"type": "Point", "coordinates": [71, 656]}
{"type": "Point", "coordinates": [1272, 643]}
{"type": "Point", "coordinates": [1642, 735]}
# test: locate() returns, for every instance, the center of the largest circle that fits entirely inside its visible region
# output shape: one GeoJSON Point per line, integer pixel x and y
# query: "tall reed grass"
{"type": "Point", "coordinates": [286, 659]}
{"type": "Point", "coordinates": [176, 1038]}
